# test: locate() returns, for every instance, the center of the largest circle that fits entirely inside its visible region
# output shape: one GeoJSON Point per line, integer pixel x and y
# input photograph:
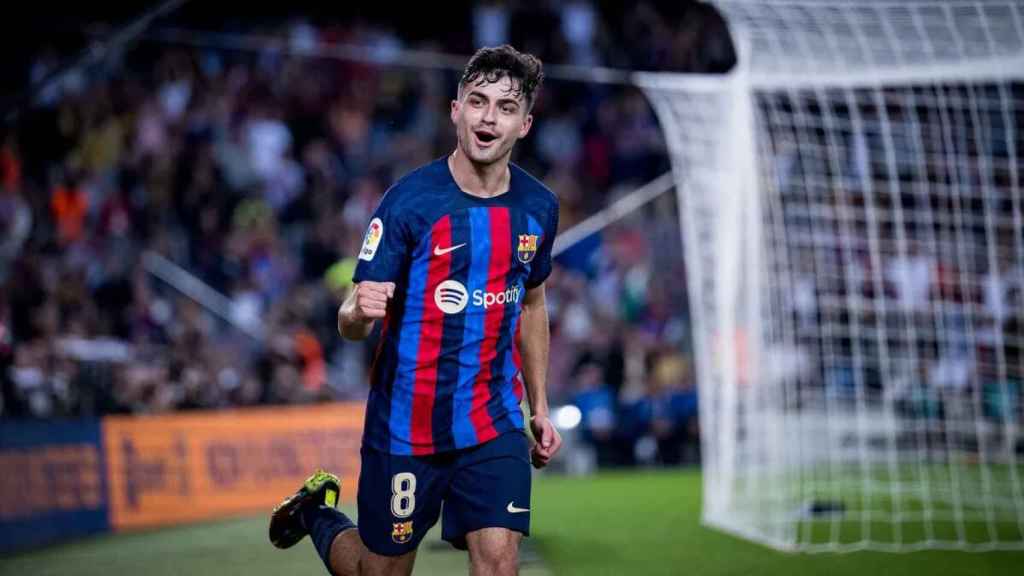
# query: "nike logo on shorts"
{"type": "Point", "coordinates": [513, 510]}
{"type": "Point", "coordinates": [438, 251]}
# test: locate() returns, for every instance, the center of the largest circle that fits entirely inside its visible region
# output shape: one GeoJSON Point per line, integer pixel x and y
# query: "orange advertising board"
{"type": "Point", "coordinates": [184, 467]}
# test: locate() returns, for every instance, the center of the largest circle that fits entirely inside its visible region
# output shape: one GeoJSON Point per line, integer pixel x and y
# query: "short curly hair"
{"type": "Point", "coordinates": [492, 64]}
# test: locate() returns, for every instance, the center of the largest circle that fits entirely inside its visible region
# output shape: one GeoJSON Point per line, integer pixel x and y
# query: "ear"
{"type": "Point", "coordinates": [456, 105]}
{"type": "Point", "coordinates": [527, 123]}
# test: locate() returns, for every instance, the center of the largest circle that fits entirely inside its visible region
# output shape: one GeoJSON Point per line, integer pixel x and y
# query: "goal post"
{"type": "Point", "coordinates": [851, 205]}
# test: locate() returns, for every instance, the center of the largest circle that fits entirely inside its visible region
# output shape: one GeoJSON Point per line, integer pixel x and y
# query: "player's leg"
{"type": "Point", "coordinates": [399, 501]}
{"type": "Point", "coordinates": [348, 556]}
{"type": "Point", "coordinates": [493, 552]}
{"type": "Point", "coordinates": [311, 511]}
{"type": "Point", "coordinates": [487, 510]}
{"type": "Point", "coordinates": [344, 553]}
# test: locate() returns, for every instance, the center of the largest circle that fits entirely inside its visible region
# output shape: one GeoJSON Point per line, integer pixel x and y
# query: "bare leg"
{"type": "Point", "coordinates": [350, 558]}
{"type": "Point", "coordinates": [493, 552]}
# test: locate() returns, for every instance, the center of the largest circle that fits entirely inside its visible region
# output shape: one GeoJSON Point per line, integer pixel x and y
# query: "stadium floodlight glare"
{"type": "Point", "coordinates": [568, 417]}
{"type": "Point", "coordinates": [851, 203]}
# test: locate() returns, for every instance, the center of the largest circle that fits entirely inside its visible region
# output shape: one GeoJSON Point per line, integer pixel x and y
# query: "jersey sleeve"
{"type": "Point", "coordinates": [541, 268]}
{"type": "Point", "coordinates": [386, 245]}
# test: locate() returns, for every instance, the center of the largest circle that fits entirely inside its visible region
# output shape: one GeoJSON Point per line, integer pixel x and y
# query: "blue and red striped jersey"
{"type": "Point", "coordinates": [445, 374]}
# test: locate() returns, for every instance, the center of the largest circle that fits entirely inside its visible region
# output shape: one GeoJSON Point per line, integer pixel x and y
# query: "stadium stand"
{"type": "Point", "coordinates": [257, 172]}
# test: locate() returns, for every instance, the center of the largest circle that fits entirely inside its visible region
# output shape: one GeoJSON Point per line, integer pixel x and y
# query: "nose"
{"type": "Point", "coordinates": [490, 114]}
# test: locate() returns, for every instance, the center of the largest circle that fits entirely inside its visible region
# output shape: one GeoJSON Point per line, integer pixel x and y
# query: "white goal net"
{"type": "Point", "coordinates": [851, 203]}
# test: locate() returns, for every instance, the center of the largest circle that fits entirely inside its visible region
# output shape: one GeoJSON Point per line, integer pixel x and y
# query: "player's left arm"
{"type": "Point", "coordinates": [535, 337]}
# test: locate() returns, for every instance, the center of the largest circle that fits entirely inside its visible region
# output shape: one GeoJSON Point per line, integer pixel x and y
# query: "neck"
{"type": "Point", "coordinates": [483, 180]}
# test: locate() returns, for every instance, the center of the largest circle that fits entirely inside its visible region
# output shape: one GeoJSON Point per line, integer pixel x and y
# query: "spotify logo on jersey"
{"type": "Point", "coordinates": [451, 297]}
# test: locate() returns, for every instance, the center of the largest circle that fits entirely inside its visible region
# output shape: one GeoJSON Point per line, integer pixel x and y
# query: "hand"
{"type": "Point", "coordinates": [547, 441]}
{"type": "Point", "coordinates": [371, 300]}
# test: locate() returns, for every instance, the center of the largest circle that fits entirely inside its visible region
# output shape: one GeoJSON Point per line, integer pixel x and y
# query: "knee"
{"type": "Point", "coordinates": [496, 560]}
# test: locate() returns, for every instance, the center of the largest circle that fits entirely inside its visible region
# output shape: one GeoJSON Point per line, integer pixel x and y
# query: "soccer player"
{"type": "Point", "coordinates": [453, 264]}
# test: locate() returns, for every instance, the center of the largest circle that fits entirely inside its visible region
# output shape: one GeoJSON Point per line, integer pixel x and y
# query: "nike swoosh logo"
{"type": "Point", "coordinates": [438, 251]}
{"type": "Point", "coordinates": [513, 510]}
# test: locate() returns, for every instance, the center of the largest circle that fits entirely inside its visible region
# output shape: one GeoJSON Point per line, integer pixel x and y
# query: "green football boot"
{"type": "Point", "coordinates": [286, 527]}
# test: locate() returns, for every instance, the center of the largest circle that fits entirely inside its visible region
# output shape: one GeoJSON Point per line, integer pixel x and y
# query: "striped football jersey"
{"type": "Point", "coordinates": [445, 373]}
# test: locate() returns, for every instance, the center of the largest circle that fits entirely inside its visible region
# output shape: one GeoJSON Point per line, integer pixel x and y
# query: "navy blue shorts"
{"type": "Point", "coordinates": [486, 486]}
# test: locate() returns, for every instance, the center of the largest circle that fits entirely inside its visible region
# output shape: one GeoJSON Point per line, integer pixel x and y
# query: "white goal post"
{"type": "Point", "coordinates": [853, 225]}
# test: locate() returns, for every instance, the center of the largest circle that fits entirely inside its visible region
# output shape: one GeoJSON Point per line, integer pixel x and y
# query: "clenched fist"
{"type": "Point", "coordinates": [547, 441]}
{"type": "Point", "coordinates": [367, 302]}
{"type": "Point", "coordinates": [371, 299]}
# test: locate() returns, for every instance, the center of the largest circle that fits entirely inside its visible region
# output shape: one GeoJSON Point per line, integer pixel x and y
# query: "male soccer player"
{"type": "Point", "coordinates": [453, 263]}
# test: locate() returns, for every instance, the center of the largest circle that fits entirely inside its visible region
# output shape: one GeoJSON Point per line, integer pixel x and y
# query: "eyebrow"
{"type": "Point", "coordinates": [502, 100]}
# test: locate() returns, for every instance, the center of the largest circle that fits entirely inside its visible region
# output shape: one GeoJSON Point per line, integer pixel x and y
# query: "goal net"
{"type": "Point", "coordinates": [851, 203]}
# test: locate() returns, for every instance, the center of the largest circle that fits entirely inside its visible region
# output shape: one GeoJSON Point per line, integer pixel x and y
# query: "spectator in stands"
{"type": "Point", "coordinates": [673, 408]}
{"type": "Point", "coordinates": [597, 404]}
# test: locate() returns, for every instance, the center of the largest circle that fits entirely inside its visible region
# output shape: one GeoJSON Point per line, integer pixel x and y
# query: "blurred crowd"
{"type": "Point", "coordinates": [906, 273]}
{"type": "Point", "coordinates": [177, 224]}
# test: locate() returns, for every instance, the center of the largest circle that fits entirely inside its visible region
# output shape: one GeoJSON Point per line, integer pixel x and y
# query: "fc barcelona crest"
{"type": "Point", "coordinates": [527, 247]}
{"type": "Point", "coordinates": [401, 532]}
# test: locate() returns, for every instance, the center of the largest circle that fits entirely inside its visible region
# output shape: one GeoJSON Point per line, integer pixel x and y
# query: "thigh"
{"type": "Point", "coordinates": [399, 500]}
{"type": "Point", "coordinates": [372, 564]}
{"type": "Point", "coordinates": [349, 556]}
{"type": "Point", "coordinates": [490, 488]}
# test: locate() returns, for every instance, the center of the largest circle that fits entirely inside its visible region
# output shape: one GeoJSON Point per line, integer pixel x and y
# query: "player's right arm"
{"type": "Point", "coordinates": [383, 258]}
{"type": "Point", "coordinates": [367, 302]}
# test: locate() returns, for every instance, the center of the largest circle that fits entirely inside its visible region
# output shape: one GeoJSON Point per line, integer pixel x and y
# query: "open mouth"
{"type": "Point", "coordinates": [485, 138]}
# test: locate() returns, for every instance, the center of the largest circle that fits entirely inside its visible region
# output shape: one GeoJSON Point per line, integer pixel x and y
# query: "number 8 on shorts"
{"type": "Point", "coordinates": [403, 494]}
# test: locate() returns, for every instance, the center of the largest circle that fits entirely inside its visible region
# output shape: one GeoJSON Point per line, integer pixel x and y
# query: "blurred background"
{"type": "Point", "coordinates": [183, 187]}
{"type": "Point", "coordinates": [241, 149]}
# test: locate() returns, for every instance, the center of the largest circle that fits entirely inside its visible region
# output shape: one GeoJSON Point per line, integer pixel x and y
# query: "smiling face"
{"type": "Point", "coordinates": [489, 118]}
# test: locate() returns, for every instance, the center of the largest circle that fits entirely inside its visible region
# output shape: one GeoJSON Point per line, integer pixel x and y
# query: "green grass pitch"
{"type": "Point", "coordinates": [614, 523]}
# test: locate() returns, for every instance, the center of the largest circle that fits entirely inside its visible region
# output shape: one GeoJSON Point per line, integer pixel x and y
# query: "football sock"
{"type": "Point", "coordinates": [324, 523]}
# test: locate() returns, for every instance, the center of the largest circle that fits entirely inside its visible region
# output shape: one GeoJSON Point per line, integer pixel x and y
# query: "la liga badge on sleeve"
{"type": "Point", "coordinates": [372, 240]}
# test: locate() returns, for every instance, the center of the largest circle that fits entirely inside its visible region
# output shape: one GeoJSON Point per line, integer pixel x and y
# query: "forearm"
{"type": "Point", "coordinates": [535, 342]}
{"type": "Point", "coordinates": [350, 326]}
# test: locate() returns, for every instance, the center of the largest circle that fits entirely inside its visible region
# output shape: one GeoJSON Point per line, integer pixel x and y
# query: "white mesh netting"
{"type": "Point", "coordinates": [854, 233]}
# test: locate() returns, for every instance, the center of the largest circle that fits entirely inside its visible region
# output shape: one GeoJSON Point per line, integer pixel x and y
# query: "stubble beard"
{"type": "Point", "coordinates": [492, 155]}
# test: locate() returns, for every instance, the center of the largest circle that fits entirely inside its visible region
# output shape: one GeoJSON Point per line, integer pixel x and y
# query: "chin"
{"type": "Point", "coordinates": [483, 157]}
